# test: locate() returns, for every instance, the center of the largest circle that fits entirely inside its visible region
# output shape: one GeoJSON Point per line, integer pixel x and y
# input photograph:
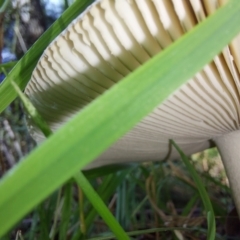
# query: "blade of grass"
{"type": "Point", "coordinates": [34, 226]}
{"type": "Point", "coordinates": [66, 211]}
{"type": "Point", "coordinates": [81, 211]}
{"type": "Point", "coordinates": [8, 66]}
{"type": "Point", "coordinates": [121, 215]}
{"type": "Point", "coordinates": [202, 191]}
{"type": "Point", "coordinates": [57, 211]}
{"type": "Point", "coordinates": [37, 118]}
{"type": "Point", "coordinates": [187, 209]}
{"type": "Point", "coordinates": [217, 182]}
{"type": "Point", "coordinates": [108, 118]}
{"type": "Point", "coordinates": [99, 205]}
{"type": "Point", "coordinates": [43, 222]}
{"type": "Point", "coordinates": [102, 171]}
{"type": "Point", "coordinates": [39, 121]}
{"type": "Point", "coordinates": [3, 5]}
{"type": "Point", "coordinates": [23, 69]}
{"type": "Point", "coordinates": [105, 190]}
{"type": "Point", "coordinates": [32, 111]}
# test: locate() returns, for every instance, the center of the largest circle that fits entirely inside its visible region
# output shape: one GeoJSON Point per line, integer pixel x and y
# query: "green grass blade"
{"type": "Point", "coordinates": [108, 118]}
{"type": "Point", "coordinates": [105, 190]}
{"type": "Point", "coordinates": [187, 209]}
{"type": "Point", "coordinates": [7, 66]}
{"type": "Point", "coordinates": [99, 205]}
{"type": "Point", "coordinates": [66, 211]}
{"type": "Point", "coordinates": [34, 226]}
{"type": "Point", "coordinates": [102, 171]}
{"type": "Point", "coordinates": [43, 228]}
{"type": "Point", "coordinates": [23, 69]}
{"type": "Point", "coordinates": [3, 5]}
{"type": "Point", "coordinates": [203, 193]}
{"type": "Point", "coordinates": [32, 111]}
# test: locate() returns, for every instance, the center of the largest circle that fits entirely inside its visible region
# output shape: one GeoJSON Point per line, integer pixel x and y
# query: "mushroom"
{"type": "Point", "coordinates": [114, 37]}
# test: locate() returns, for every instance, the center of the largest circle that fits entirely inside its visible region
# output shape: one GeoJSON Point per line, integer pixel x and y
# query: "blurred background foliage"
{"type": "Point", "coordinates": [144, 198]}
{"type": "Point", "coordinates": [22, 23]}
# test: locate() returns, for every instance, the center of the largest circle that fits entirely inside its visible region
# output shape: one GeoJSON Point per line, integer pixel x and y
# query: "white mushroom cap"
{"type": "Point", "coordinates": [110, 40]}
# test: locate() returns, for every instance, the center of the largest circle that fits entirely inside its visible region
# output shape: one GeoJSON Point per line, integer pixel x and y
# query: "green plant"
{"type": "Point", "coordinates": [56, 161]}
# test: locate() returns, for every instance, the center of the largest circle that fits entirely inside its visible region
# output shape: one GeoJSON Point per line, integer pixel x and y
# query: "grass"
{"type": "Point", "coordinates": [167, 185]}
{"type": "Point", "coordinates": [44, 182]}
{"type": "Point", "coordinates": [179, 210]}
{"type": "Point", "coordinates": [165, 203]}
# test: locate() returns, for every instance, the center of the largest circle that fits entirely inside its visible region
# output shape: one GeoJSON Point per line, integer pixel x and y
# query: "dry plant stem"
{"type": "Point", "coordinates": [10, 132]}
{"type": "Point", "coordinates": [162, 215]}
{"type": "Point", "coordinates": [4, 150]}
{"type": "Point", "coordinates": [18, 35]}
{"type": "Point", "coordinates": [178, 234]}
{"type": "Point", "coordinates": [81, 212]}
{"type": "Point", "coordinates": [180, 174]}
{"type": "Point", "coordinates": [173, 210]}
{"type": "Point", "coordinates": [174, 220]}
{"type": "Point", "coordinates": [19, 235]}
{"type": "Point", "coordinates": [112, 202]}
{"type": "Point", "coordinates": [151, 191]}
{"type": "Point", "coordinates": [12, 136]}
{"type": "Point", "coordinates": [229, 148]}
{"type": "Point", "coordinates": [9, 156]}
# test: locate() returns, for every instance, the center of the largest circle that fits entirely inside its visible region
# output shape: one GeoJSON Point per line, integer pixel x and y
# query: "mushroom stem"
{"type": "Point", "coordinates": [229, 148]}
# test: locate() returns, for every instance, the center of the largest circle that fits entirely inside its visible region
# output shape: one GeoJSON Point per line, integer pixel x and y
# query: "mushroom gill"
{"type": "Point", "coordinates": [114, 37]}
